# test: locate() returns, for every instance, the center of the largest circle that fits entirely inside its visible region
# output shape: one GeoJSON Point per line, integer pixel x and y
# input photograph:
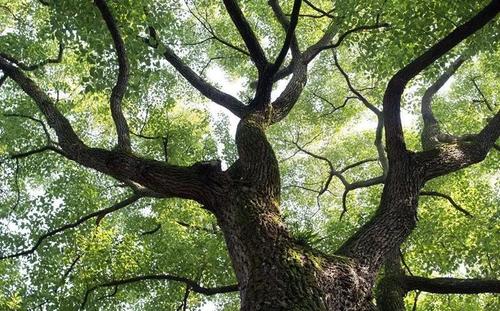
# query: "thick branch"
{"type": "Point", "coordinates": [392, 98]}
{"type": "Point", "coordinates": [285, 23]}
{"type": "Point", "coordinates": [225, 100]}
{"type": "Point", "coordinates": [289, 38]}
{"type": "Point", "coordinates": [194, 182]}
{"type": "Point", "coordinates": [247, 34]}
{"type": "Point", "coordinates": [193, 285]}
{"type": "Point", "coordinates": [100, 213]}
{"type": "Point", "coordinates": [120, 87]}
{"type": "Point", "coordinates": [453, 157]}
{"type": "Point", "coordinates": [451, 285]}
{"type": "Point", "coordinates": [431, 132]}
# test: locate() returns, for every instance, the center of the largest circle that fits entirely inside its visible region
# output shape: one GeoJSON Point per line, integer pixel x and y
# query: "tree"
{"type": "Point", "coordinates": [149, 167]}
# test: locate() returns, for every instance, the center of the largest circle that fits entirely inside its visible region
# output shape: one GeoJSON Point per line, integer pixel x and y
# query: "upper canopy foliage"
{"type": "Point", "coordinates": [170, 120]}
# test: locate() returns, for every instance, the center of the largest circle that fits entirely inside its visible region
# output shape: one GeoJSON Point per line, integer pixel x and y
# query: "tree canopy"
{"type": "Point", "coordinates": [168, 81]}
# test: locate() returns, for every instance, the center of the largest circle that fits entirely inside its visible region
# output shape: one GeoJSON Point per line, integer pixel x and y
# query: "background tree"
{"type": "Point", "coordinates": [124, 187]}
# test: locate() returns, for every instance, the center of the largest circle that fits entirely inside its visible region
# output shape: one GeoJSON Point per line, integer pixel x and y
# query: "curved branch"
{"type": "Point", "coordinates": [360, 96]}
{"type": "Point", "coordinates": [195, 182]}
{"type": "Point", "coordinates": [447, 197]}
{"type": "Point", "coordinates": [193, 285]}
{"type": "Point", "coordinates": [396, 147]}
{"type": "Point", "coordinates": [431, 131]}
{"type": "Point", "coordinates": [346, 34]}
{"type": "Point", "coordinates": [36, 66]}
{"type": "Point", "coordinates": [98, 214]}
{"type": "Point", "coordinates": [453, 157]}
{"type": "Point", "coordinates": [380, 118]}
{"type": "Point", "coordinates": [120, 87]}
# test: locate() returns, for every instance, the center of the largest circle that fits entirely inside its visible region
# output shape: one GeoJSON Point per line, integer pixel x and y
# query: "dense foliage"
{"type": "Point", "coordinates": [456, 235]}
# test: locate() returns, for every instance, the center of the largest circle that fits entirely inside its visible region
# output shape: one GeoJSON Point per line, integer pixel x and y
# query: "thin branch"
{"type": "Point", "coordinates": [358, 94]}
{"type": "Point", "coordinates": [42, 124]}
{"type": "Point", "coordinates": [100, 213]}
{"type": "Point", "coordinates": [486, 102]}
{"type": "Point", "coordinates": [183, 306]}
{"type": "Point", "coordinates": [206, 25]}
{"type": "Point", "coordinates": [346, 34]}
{"type": "Point", "coordinates": [378, 113]}
{"type": "Point", "coordinates": [353, 165]}
{"type": "Point", "coordinates": [36, 66]}
{"type": "Point", "coordinates": [415, 300]}
{"type": "Point", "coordinates": [194, 286]}
{"type": "Point", "coordinates": [120, 87]}
{"type": "Point", "coordinates": [319, 10]}
{"type": "Point", "coordinates": [212, 230]}
{"type": "Point", "coordinates": [348, 186]}
{"type": "Point", "coordinates": [152, 231]}
{"type": "Point", "coordinates": [334, 108]}
{"type": "Point", "coordinates": [26, 154]}
{"type": "Point", "coordinates": [450, 199]}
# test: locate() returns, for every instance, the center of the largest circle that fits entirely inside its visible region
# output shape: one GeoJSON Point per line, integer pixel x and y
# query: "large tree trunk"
{"type": "Point", "coordinates": [275, 272]}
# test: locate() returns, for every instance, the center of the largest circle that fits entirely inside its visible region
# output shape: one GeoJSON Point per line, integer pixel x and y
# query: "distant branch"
{"type": "Point", "coordinates": [194, 286]}
{"type": "Point", "coordinates": [42, 124]}
{"type": "Point", "coordinates": [98, 214]}
{"type": "Point", "coordinates": [319, 10]}
{"type": "Point", "coordinates": [485, 101]}
{"type": "Point", "coordinates": [346, 34]}
{"type": "Point", "coordinates": [214, 36]}
{"type": "Point", "coordinates": [36, 66]}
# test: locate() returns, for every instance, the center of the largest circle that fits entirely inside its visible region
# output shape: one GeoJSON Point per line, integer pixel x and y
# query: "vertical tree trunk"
{"type": "Point", "coordinates": [274, 272]}
{"type": "Point", "coordinates": [389, 292]}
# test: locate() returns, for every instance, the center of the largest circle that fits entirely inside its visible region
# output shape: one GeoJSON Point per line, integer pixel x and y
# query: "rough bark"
{"type": "Point", "coordinates": [389, 292]}
{"type": "Point", "coordinates": [274, 271]}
